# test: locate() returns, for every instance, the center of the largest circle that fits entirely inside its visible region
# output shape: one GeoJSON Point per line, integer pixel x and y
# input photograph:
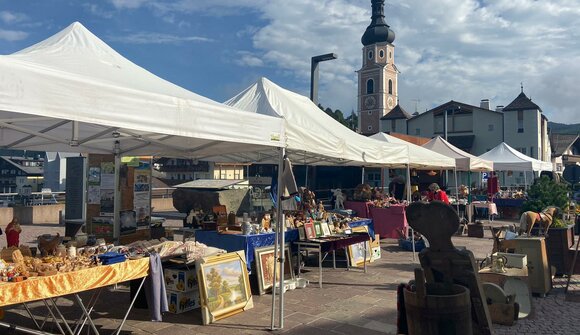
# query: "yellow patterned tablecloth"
{"type": "Point", "coordinates": [37, 288]}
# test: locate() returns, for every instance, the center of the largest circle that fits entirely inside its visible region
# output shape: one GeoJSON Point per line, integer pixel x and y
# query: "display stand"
{"type": "Point", "coordinates": [133, 209]}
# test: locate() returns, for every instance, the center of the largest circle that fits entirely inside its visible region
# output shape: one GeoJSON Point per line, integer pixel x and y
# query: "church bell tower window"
{"type": "Point", "coordinates": [370, 86]}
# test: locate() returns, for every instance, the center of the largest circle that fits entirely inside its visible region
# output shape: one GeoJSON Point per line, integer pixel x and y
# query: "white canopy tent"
{"type": "Point", "coordinates": [464, 161]}
{"type": "Point", "coordinates": [419, 157]}
{"type": "Point", "coordinates": [312, 136]}
{"type": "Point", "coordinates": [506, 158]}
{"type": "Point", "coordinates": [74, 93]}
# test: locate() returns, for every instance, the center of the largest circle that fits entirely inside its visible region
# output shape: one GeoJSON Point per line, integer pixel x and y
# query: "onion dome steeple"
{"type": "Point", "coordinates": [378, 30]}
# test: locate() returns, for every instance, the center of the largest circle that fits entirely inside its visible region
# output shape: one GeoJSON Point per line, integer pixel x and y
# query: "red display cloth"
{"type": "Point", "coordinates": [388, 220]}
{"type": "Point", "coordinates": [361, 208]}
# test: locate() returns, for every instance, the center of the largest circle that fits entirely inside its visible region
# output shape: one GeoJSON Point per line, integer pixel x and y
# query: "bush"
{"type": "Point", "coordinates": [546, 192]}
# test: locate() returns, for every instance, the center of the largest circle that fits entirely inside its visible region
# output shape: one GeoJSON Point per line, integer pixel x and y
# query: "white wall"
{"type": "Point", "coordinates": [488, 131]}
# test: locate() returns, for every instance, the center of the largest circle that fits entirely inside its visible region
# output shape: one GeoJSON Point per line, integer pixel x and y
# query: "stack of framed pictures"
{"type": "Point", "coordinates": [224, 286]}
{"type": "Point", "coordinates": [314, 229]}
{"type": "Point", "coordinates": [356, 252]}
{"type": "Point", "coordinates": [265, 262]}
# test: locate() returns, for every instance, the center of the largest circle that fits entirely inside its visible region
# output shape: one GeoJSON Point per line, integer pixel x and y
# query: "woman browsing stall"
{"type": "Point", "coordinates": [436, 193]}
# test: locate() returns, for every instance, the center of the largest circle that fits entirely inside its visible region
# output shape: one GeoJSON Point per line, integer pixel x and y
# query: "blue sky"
{"type": "Point", "coordinates": [465, 50]}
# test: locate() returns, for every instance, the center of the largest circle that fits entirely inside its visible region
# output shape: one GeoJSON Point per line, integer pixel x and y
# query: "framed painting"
{"type": "Point", "coordinates": [301, 233]}
{"type": "Point", "coordinates": [356, 253]}
{"type": "Point", "coordinates": [224, 286]}
{"type": "Point", "coordinates": [325, 228]}
{"type": "Point", "coordinates": [265, 263]}
{"type": "Point", "coordinates": [317, 228]}
{"type": "Point", "coordinates": [309, 230]}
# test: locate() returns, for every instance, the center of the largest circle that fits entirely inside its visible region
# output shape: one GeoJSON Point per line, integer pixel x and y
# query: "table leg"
{"type": "Point", "coordinates": [365, 259]}
{"type": "Point", "coordinates": [319, 267]}
{"type": "Point", "coordinates": [86, 313]}
{"type": "Point", "coordinates": [299, 266]}
{"type": "Point", "coordinates": [133, 302]}
{"type": "Point", "coordinates": [31, 316]}
{"type": "Point", "coordinates": [80, 324]}
{"type": "Point", "coordinates": [53, 317]}
{"type": "Point", "coordinates": [24, 330]}
{"type": "Point", "coordinates": [61, 316]}
{"type": "Point", "coordinates": [334, 259]}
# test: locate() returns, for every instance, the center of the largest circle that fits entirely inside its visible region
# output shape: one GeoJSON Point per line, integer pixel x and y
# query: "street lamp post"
{"type": "Point", "coordinates": [314, 74]}
{"type": "Point", "coordinates": [314, 87]}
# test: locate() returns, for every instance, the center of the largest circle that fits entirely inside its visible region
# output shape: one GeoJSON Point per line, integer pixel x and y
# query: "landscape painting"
{"type": "Point", "coordinates": [224, 286]}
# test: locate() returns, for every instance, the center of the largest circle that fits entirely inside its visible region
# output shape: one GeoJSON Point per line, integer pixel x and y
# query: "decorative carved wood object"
{"type": "Point", "coordinates": [443, 263]}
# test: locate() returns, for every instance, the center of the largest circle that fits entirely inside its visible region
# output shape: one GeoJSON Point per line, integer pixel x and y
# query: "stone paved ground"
{"type": "Point", "coordinates": [350, 302]}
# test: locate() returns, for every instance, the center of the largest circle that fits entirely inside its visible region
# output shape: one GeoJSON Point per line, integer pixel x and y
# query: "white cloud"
{"type": "Point", "coordinates": [12, 17]}
{"type": "Point", "coordinates": [12, 35]}
{"type": "Point", "coordinates": [465, 50]}
{"type": "Point", "coordinates": [248, 59]}
{"type": "Point", "coordinates": [128, 4]}
{"type": "Point", "coordinates": [98, 11]}
{"type": "Point", "coordinates": [157, 38]}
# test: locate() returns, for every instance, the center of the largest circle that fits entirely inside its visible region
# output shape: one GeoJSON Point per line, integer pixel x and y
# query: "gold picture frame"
{"type": "Point", "coordinates": [356, 254]}
{"type": "Point", "coordinates": [264, 258]}
{"type": "Point", "coordinates": [224, 286]}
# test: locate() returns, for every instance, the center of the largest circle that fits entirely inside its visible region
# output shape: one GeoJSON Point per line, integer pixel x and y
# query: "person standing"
{"type": "Point", "coordinates": [436, 193]}
{"type": "Point", "coordinates": [13, 231]}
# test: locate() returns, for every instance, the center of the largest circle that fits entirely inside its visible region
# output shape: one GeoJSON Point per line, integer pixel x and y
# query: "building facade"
{"type": "Point", "coordinates": [471, 128]}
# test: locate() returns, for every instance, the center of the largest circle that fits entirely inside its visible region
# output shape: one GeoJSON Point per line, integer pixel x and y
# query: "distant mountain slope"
{"type": "Point", "coordinates": [561, 128]}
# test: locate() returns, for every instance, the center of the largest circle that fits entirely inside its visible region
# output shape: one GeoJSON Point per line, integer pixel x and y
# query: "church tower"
{"type": "Point", "coordinates": [377, 79]}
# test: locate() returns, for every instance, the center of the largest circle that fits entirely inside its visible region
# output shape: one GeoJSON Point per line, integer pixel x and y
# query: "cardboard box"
{"type": "Point", "coordinates": [180, 302]}
{"type": "Point", "coordinates": [375, 253]}
{"type": "Point", "coordinates": [180, 280]}
{"type": "Point", "coordinates": [514, 260]}
{"type": "Point", "coordinates": [376, 242]}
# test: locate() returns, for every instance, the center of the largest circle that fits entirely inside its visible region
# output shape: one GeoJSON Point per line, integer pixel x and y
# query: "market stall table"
{"type": "Point", "coordinates": [509, 208]}
{"type": "Point", "coordinates": [361, 208]}
{"type": "Point", "coordinates": [330, 244]}
{"type": "Point", "coordinates": [364, 222]}
{"type": "Point", "coordinates": [248, 243]}
{"type": "Point", "coordinates": [48, 288]}
{"type": "Point", "coordinates": [388, 220]}
{"type": "Point", "coordinates": [490, 207]}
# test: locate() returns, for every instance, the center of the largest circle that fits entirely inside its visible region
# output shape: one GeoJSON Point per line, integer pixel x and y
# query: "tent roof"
{"type": "Point", "coordinates": [419, 157]}
{"type": "Point", "coordinates": [73, 93]}
{"type": "Point", "coordinates": [312, 136]}
{"type": "Point", "coordinates": [463, 160]}
{"type": "Point", "coordinates": [505, 158]}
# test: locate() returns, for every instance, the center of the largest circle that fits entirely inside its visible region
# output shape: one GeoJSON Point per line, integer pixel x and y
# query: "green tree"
{"type": "Point", "coordinates": [225, 287]}
{"type": "Point", "coordinates": [545, 192]}
{"type": "Point", "coordinates": [215, 281]}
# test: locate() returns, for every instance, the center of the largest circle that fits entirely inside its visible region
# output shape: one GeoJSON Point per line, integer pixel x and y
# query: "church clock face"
{"type": "Point", "coordinates": [390, 102]}
{"type": "Point", "coordinates": [370, 102]}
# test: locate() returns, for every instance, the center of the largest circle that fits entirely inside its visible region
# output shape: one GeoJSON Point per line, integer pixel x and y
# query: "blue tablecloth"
{"type": "Point", "coordinates": [248, 243]}
{"type": "Point", "coordinates": [365, 222]}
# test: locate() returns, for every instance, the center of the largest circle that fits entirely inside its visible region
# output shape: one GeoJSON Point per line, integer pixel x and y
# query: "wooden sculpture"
{"type": "Point", "coordinates": [530, 218]}
{"type": "Point", "coordinates": [443, 263]}
{"type": "Point", "coordinates": [47, 245]}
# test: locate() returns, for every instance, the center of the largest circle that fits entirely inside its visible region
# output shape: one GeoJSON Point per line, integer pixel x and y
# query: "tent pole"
{"type": "Point", "coordinates": [525, 180]}
{"type": "Point", "coordinates": [409, 201]}
{"type": "Point", "coordinates": [280, 227]}
{"type": "Point", "coordinates": [456, 189]}
{"type": "Point", "coordinates": [278, 241]}
{"type": "Point", "coordinates": [117, 196]}
{"type": "Point", "coordinates": [306, 177]}
{"type": "Point", "coordinates": [362, 180]}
